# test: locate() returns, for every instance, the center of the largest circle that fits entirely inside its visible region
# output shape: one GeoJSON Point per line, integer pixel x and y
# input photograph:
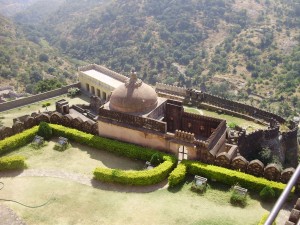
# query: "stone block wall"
{"type": "Point", "coordinates": [53, 117]}
{"type": "Point", "coordinates": [35, 98]}
{"type": "Point", "coordinates": [174, 90]}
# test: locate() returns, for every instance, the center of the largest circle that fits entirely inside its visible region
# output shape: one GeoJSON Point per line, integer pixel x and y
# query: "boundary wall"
{"type": "Point", "coordinates": [35, 98]}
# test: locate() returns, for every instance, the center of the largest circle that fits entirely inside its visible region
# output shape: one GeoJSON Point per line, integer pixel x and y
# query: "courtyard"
{"type": "Point", "coordinates": [248, 125]}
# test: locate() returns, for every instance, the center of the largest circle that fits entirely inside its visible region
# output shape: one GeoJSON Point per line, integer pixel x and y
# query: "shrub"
{"type": "Point", "coordinates": [232, 125]}
{"type": "Point", "coordinates": [177, 175]}
{"type": "Point", "coordinates": [45, 130]}
{"type": "Point", "coordinates": [199, 189]}
{"type": "Point", "coordinates": [231, 177]}
{"type": "Point", "coordinates": [18, 140]}
{"type": "Point", "coordinates": [264, 219]}
{"type": "Point", "coordinates": [72, 92]}
{"type": "Point", "coordinates": [238, 199]}
{"type": "Point", "coordinates": [46, 104]}
{"type": "Point", "coordinates": [59, 147]}
{"type": "Point", "coordinates": [267, 193]}
{"type": "Point", "coordinates": [156, 159]}
{"type": "Point", "coordinates": [12, 162]}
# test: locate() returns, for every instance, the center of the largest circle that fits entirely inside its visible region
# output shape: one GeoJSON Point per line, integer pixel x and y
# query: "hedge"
{"type": "Point", "coordinates": [144, 177]}
{"type": "Point", "coordinates": [114, 146]}
{"type": "Point", "coordinates": [231, 177]}
{"type": "Point", "coordinates": [18, 140]}
{"type": "Point", "coordinates": [264, 219]}
{"type": "Point", "coordinates": [12, 162]}
{"type": "Point", "coordinates": [177, 175]}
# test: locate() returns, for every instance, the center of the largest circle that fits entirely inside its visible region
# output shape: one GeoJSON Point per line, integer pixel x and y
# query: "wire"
{"type": "Point", "coordinates": [32, 207]}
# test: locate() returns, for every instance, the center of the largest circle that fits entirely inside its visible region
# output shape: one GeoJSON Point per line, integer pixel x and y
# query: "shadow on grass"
{"type": "Point", "coordinates": [110, 160]}
{"type": "Point", "coordinates": [11, 173]}
{"type": "Point", "coordinates": [128, 188]}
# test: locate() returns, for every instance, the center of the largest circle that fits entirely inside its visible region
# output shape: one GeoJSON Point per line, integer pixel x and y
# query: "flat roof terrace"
{"type": "Point", "coordinates": [103, 78]}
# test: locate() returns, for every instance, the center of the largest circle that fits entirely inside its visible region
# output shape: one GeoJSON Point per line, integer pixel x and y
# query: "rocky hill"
{"type": "Point", "coordinates": [244, 50]}
{"type": "Point", "coordinates": [30, 65]}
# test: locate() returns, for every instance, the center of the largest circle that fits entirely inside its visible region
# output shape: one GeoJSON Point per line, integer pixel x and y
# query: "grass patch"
{"type": "Point", "coordinates": [80, 158]}
{"type": "Point", "coordinates": [249, 125]}
{"type": "Point", "coordinates": [78, 204]}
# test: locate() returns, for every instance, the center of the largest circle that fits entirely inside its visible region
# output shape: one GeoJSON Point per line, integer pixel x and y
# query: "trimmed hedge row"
{"type": "Point", "coordinates": [145, 177]}
{"type": "Point", "coordinates": [12, 162]}
{"type": "Point", "coordinates": [231, 177]}
{"type": "Point", "coordinates": [18, 140]}
{"type": "Point", "coordinates": [177, 175]}
{"type": "Point", "coordinates": [114, 146]}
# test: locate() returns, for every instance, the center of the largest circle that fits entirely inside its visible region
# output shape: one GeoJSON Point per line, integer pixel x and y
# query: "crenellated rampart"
{"type": "Point", "coordinates": [170, 89]}
{"type": "Point", "coordinates": [29, 121]}
{"type": "Point", "coordinates": [131, 120]}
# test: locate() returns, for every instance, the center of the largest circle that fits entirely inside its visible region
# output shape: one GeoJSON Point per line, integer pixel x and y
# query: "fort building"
{"type": "Point", "coordinates": [137, 115]}
{"type": "Point", "coordinates": [99, 81]}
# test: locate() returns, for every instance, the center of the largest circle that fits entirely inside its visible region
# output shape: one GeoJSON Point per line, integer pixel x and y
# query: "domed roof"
{"type": "Point", "coordinates": [133, 97]}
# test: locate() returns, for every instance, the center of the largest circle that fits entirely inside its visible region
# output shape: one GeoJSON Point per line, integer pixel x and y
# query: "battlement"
{"type": "Point", "coordinates": [185, 136]}
{"type": "Point", "coordinates": [170, 89]}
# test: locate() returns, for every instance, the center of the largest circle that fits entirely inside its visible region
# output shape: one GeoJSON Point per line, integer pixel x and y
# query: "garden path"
{"type": "Point", "coordinates": [83, 179]}
{"type": "Point", "coordinates": [9, 217]}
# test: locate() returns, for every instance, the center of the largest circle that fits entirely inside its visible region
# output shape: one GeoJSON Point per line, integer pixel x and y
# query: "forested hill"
{"type": "Point", "coordinates": [242, 49]}
{"type": "Point", "coordinates": [30, 67]}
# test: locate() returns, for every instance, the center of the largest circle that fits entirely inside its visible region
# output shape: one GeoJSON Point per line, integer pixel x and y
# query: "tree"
{"type": "Point", "coordinates": [45, 130]}
{"type": "Point", "coordinates": [43, 57]}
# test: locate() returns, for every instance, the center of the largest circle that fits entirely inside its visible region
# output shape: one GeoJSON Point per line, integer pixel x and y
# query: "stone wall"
{"type": "Point", "coordinates": [35, 98]}
{"type": "Point", "coordinates": [195, 96]}
{"type": "Point", "coordinates": [247, 142]}
{"type": "Point", "coordinates": [134, 121]}
{"type": "Point", "coordinates": [34, 119]}
{"type": "Point", "coordinates": [174, 90]}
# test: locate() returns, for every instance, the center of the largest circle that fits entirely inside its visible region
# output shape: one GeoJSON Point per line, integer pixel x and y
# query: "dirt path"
{"type": "Point", "coordinates": [8, 217]}
{"type": "Point", "coordinates": [83, 179]}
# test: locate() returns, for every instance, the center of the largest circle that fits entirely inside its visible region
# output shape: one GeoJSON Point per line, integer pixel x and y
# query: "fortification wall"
{"type": "Point", "coordinates": [35, 98]}
{"type": "Point", "coordinates": [130, 120]}
{"type": "Point", "coordinates": [34, 119]}
{"type": "Point", "coordinates": [170, 89]}
{"type": "Point", "coordinates": [198, 96]}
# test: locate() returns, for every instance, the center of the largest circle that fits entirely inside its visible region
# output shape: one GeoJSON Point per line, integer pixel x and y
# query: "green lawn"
{"type": "Point", "coordinates": [78, 158]}
{"type": "Point", "coordinates": [74, 203]}
{"type": "Point", "coordinates": [246, 124]}
{"type": "Point", "coordinates": [8, 116]}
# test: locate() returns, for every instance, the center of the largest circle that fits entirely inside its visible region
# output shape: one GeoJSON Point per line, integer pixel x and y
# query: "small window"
{"type": "Point", "coordinates": [201, 127]}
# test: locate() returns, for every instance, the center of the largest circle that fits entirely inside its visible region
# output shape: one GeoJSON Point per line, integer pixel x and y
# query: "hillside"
{"type": "Point", "coordinates": [244, 50]}
{"type": "Point", "coordinates": [30, 67]}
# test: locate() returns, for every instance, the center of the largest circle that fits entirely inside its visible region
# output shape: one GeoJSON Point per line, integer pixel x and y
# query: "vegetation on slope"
{"type": "Point", "coordinates": [245, 50]}
{"type": "Point", "coordinates": [30, 66]}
